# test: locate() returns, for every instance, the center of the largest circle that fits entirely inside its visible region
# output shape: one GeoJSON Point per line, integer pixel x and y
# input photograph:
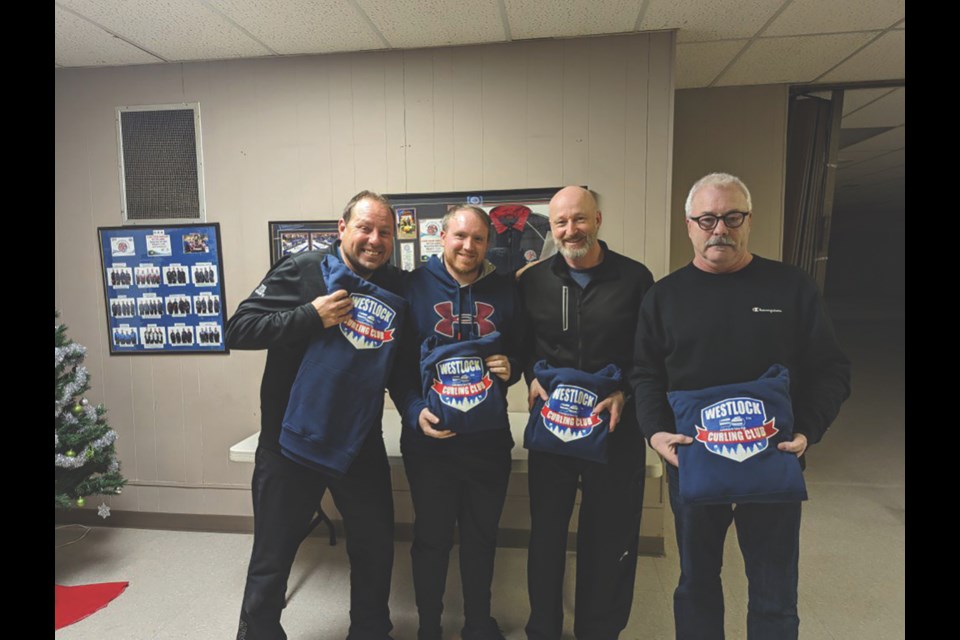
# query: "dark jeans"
{"type": "Point", "coordinates": [607, 537]}
{"type": "Point", "coordinates": [285, 496]}
{"type": "Point", "coordinates": [769, 536]}
{"type": "Point", "coordinates": [467, 489]}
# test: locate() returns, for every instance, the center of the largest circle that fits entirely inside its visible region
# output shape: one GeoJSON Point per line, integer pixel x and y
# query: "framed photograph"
{"type": "Point", "coordinates": [296, 236]}
{"type": "Point", "coordinates": [163, 288]}
{"type": "Point", "coordinates": [521, 225]}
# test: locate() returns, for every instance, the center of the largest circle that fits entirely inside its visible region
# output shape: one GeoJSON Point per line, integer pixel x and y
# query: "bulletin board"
{"type": "Point", "coordinates": [163, 288]}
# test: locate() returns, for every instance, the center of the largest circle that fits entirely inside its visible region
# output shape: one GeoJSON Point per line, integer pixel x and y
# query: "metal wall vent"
{"type": "Point", "coordinates": [161, 164]}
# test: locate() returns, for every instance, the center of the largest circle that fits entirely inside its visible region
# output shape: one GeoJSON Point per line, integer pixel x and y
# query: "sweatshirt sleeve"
{"type": "Point", "coordinates": [516, 339]}
{"type": "Point", "coordinates": [823, 382]}
{"type": "Point", "coordinates": [525, 352]}
{"type": "Point", "coordinates": [648, 378]}
{"type": "Point", "coordinates": [404, 385]}
{"type": "Point", "coordinates": [275, 313]}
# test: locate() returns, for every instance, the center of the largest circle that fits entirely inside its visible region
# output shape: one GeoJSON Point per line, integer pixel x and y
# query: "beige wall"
{"type": "Point", "coordinates": [738, 130]}
{"type": "Point", "coordinates": [290, 138]}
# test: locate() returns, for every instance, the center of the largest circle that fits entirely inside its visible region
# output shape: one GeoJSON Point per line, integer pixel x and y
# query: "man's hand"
{"type": "Point", "coordinates": [666, 443]}
{"type": "Point", "coordinates": [333, 308]}
{"type": "Point", "coordinates": [499, 366]}
{"type": "Point", "coordinates": [798, 445]}
{"type": "Point", "coordinates": [614, 404]}
{"type": "Point", "coordinates": [536, 391]}
{"type": "Point", "coordinates": [427, 420]}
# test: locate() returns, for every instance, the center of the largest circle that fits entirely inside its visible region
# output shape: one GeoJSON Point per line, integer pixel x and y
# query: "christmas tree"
{"type": "Point", "coordinates": [85, 461]}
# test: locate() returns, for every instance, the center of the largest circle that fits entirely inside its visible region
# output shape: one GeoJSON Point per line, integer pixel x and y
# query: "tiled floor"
{"type": "Point", "coordinates": [852, 562]}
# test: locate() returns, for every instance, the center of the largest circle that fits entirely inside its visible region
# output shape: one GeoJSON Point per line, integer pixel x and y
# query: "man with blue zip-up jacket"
{"type": "Point", "coordinates": [458, 478]}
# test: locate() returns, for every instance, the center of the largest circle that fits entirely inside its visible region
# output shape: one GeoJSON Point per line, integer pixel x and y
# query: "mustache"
{"type": "Point", "coordinates": [723, 241]}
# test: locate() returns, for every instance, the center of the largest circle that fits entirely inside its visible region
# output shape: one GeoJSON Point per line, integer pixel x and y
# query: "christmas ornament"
{"type": "Point", "coordinates": [71, 453]}
{"type": "Point", "coordinates": [77, 409]}
{"type": "Point", "coordinates": [84, 402]}
{"type": "Point", "coordinates": [103, 510]}
{"type": "Point", "coordinates": [81, 502]}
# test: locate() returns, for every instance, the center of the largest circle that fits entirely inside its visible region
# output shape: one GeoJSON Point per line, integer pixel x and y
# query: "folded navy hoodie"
{"type": "Point", "coordinates": [459, 388]}
{"type": "Point", "coordinates": [564, 424]}
{"type": "Point", "coordinates": [337, 396]}
{"type": "Point", "coordinates": [736, 429]}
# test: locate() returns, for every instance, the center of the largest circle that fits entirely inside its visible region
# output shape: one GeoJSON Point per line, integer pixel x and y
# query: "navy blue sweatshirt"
{"type": "Point", "coordinates": [736, 429]}
{"type": "Point", "coordinates": [439, 306]}
{"type": "Point", "coordinates": [564, 424]}
{"type": "Point", "coordinates": [337, 395]}
{"type": "Point", "coordinates": [458, 386]}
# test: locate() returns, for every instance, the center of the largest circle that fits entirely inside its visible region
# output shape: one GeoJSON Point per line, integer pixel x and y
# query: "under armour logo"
{"type": "Point", "coordinates": [483, 311]}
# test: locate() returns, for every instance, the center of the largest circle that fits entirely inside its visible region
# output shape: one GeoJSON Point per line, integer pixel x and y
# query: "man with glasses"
{"type": "Point", "coordinates": [727, 317]}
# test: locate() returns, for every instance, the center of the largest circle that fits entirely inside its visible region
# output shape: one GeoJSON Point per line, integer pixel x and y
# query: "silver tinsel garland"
{"type": "Point", "coordinates": [72, 388]}
{"type": "Point", "coordinates": [62, 353]}
{"type": "Point", "coordinates": [108, 439]}
{"type": "Point", "coordinates": [65, 462]}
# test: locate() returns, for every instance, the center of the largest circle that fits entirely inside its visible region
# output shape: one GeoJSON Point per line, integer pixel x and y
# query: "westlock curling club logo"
{"type": "Point", "coordinates": [566, 413]}
{"type": "Point", "coordinates": [462, 383]}
{"type": "Point", "coordinates": [370, 323]}
{"type": "Point", "coordinates": [736, 428]}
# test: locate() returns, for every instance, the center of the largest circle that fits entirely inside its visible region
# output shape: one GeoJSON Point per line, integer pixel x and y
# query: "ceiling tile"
{"type": "Point", "coordinates": [791, 59]}
{"type": "Point", "coordinates": [302, 26]}
{"type": "Point", "coordinates": [853, 99]}
{"type": "Point", "coordinates": [539, 19]}
{"type": "Point", "coordinates": [715, 20]}
{"type": "Point", "coordinates": [881, 160]}
{"type": "Point", "coordinates": [893, 139]}
{"type": "Point", "coordinates": [173, 29]}
{"type": "Point", "coordinates": [432, 23]}
{"type": "Point", "coordinates": [698, 63]}
{"type": "Point", "coordinates": [884, 59]}
{"type": "Point", "coordinates": [888, 111]}
{"type": "Point", "coordinates": [830, 16]}
{"type": "Point", "coordinates": [77, 43]}
{"type": "Point", "coordinates": [850, 155]}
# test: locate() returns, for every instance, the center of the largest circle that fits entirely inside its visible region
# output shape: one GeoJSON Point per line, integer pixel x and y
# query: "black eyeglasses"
{"type": "Point", "coordinates": [731, 220]}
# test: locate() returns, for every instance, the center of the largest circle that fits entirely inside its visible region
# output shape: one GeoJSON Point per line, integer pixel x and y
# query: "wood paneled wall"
{"type": "Point", "coordinates": [738, 130]}
{"type": "Point", "coordinates": [291, 138]}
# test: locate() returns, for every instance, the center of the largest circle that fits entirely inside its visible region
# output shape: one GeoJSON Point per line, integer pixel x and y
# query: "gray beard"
{"type": "Point", "coordinates": [576, 254]}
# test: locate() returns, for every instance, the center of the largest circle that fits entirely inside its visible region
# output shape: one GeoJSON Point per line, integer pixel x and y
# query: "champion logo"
{"type": "Point", "coordinates": [462, 383]}
{"type": "Point", "coordinates": [566, 413]}
{"type": "Point", "coordinates": [370, 324]}
{"type": "Point", "coordinates": [762, 310]}
{"type": "Point", "coordinates": [736, 428]}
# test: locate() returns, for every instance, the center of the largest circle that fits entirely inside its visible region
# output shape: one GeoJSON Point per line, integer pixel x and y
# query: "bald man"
{"type": "Point", "coordinates": [582, 305]}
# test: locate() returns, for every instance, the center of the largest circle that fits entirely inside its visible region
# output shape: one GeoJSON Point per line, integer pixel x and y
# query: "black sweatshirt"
{"type": "Point", "coordinates": [699, 329]}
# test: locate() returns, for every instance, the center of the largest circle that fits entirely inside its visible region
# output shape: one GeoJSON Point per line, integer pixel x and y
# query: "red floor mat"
{"type": "Point", "coordinates": [76, 603]}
